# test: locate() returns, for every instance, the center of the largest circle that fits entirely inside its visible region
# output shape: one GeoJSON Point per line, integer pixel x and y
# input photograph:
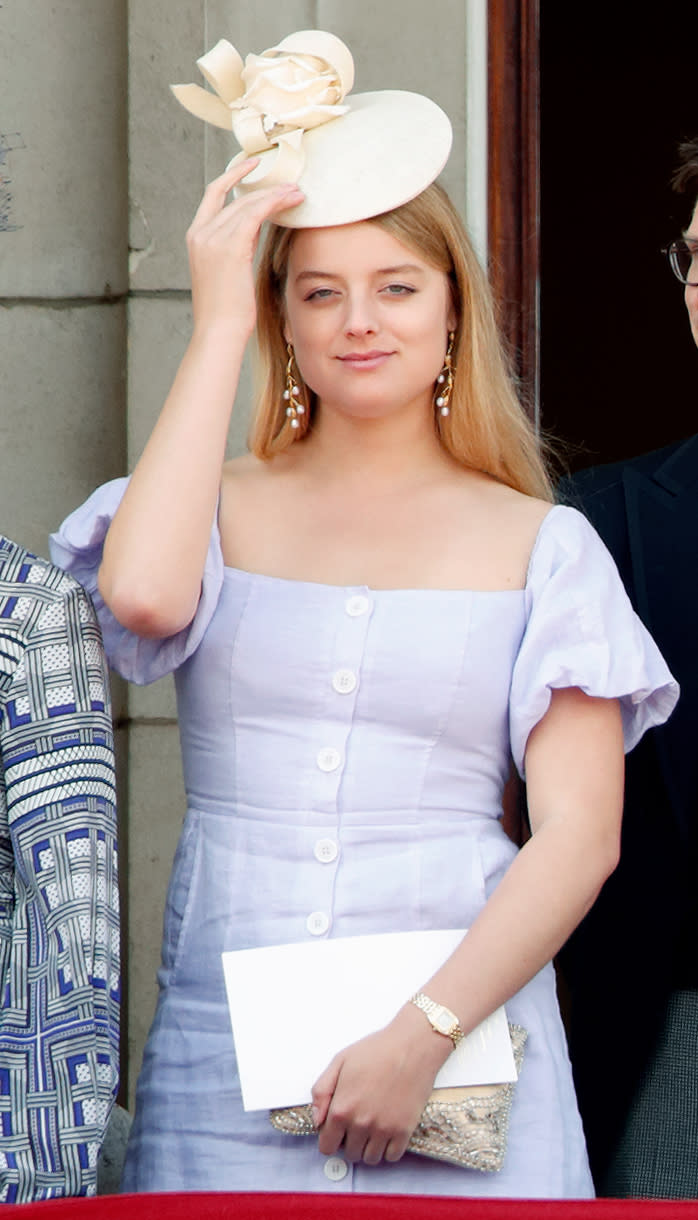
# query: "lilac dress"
{"type": "Point", "coordinates": [345, 752]}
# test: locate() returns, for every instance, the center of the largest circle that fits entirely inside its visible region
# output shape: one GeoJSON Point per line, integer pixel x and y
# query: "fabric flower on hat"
{"type": "Point", "coordinates": [284, 93]}
{"type": "Point", "coordinates": [290, 88]}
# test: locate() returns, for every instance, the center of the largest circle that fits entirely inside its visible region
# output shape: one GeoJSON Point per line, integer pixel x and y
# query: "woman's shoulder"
{"type": "Point", "coordinates": [512, 514]}
{"type": "Point", "coordinates": [566, 526]}
{"type": "Point", "coordinates": [245, 466]}
{"type": "Point", "coordinates": [566, 541]}
{"type": "Point", "coordinates": [534, 519]}
{"type": "Point", "coordinates": [489, 529]}
{"type": "Point", "coordinates": [501, 495]}
{"type": "Point", "coordinates": [246, 484]}
{"type": "Point", "coordinates": [521, 508]}
{"type": "Point", "coordinates": [539, 535]}
{"type": "Point", "coordinates": [249, 472]}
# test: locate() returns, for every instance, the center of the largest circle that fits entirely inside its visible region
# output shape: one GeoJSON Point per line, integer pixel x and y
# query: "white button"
{"type": "Point", "coordinates": [329, 759]}
{"type": "Point", "coordinates": [344, 681]}
{"type": "Point", "coordinates": [336, 1168]}
{"type": "Point", "coordinates": [356, 605]}
{"type": "Point", "coordinates": [326, 851]}
{"type": "Point", "coordinates": [317, 923]}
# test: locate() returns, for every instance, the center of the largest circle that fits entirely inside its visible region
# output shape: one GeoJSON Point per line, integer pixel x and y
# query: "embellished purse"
{"type": "Point", "coordinates": [465, 1126]}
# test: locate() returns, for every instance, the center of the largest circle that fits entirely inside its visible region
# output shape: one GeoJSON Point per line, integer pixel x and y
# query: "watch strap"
{"type": "Point", "coordinates": [441, 1019]}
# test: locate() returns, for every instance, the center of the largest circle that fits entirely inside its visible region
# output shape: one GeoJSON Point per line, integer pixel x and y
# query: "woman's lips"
{"type": "Point", "coordinates": [364, 360]}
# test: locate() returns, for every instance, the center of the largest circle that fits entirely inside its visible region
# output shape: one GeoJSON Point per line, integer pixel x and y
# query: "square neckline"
{"type": "Point", "coordinates": [229, 570]}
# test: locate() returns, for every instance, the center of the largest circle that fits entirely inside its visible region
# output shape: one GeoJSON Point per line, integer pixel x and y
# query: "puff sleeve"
{"type": "Point", "coordinates": [581, 630]}
{"type": "Point", "coordinates": [77, 548]}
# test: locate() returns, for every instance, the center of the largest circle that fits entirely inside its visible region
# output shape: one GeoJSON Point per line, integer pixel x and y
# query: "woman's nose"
{"type": "Point", "coordinates": [360, 316]}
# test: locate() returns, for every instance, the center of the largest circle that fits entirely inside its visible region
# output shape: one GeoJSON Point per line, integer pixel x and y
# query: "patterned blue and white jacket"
{"type": "Point", "coordinates": [59, 922]}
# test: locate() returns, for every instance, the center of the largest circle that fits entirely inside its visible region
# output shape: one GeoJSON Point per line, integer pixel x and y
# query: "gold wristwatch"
{"type": "Point", "coordinates": [441, 1019]}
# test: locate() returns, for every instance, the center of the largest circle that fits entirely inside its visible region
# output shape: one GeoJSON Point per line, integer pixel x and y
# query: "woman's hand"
{"type": "Point", "coordinates": [221, 242]}
{"type": "Point", "coordinates": [369, 1100]}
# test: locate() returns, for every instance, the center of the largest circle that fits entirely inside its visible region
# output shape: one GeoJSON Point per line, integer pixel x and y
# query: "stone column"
{"type": "Point", "coordinates": [62, 257]}
{"type": "Point", "coordinates": [63, 267]}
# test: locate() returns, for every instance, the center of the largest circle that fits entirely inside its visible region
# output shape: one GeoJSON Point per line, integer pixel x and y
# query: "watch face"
{"type": "Point", "coordinates": [443, 1020]}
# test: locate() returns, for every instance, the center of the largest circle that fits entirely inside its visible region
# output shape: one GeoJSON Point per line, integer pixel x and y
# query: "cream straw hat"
{"type": "Point", "coordinates": [353, 155]}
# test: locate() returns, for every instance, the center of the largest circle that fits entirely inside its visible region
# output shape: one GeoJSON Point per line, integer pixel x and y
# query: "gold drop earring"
{"type": "Point", "coordinates": [292, 394]}
{"type": "Point", "coordinates": [444, 381]}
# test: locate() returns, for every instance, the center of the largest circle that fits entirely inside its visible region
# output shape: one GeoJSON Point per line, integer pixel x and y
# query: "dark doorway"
{"type": "Point", "coordinates": [618, 92]}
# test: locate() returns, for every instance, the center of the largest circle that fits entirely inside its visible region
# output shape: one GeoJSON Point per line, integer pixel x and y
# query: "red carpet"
{"type": "Point", "coordinates": [221, 1206]}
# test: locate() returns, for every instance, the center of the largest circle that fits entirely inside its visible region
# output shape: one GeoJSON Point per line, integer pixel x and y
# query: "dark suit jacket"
{"type": "Point", "coordinates": [638, 943]}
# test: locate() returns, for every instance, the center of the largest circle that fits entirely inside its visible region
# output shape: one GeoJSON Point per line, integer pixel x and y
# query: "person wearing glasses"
{"type": "Point", "coordinates": [631, 967]}
{"type": "Point", "coordinates": [683, 254]}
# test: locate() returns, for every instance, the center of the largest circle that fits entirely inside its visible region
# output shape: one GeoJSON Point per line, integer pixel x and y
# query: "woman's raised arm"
{"type": "Point", "coordinates": [156, 547]}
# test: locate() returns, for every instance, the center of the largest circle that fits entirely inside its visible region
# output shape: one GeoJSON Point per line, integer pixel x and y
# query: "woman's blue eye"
{"type": "Point", "coordinates": [396, 290]}
{"type": "Point", "coordinates": [319, 294]}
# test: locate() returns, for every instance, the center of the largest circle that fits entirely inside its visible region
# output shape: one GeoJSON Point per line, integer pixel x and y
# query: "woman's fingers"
{"type": "Point", "coordinates": [374, 1152]}
{"type": "Point", "coordinates": [233, 230]}
{"type": "Point", "coordinates": [247, 214]}
{"type": "Point", "coordinates": [378, 1149]}
{"type": "Point", "coordinates": [361, 1141]}
{"type": "Point", "coordinates": [349, 1126]}
{"type": "Point", "coordinates": [221, 243]}
{"type": "Point", "coordinates": [368, 1102]}
{"type": "Point", "coordinates": [322, 1091]}
{"type": "Point", "coordinates": [253, 207]}
{"type": "Point", "coordinates": [395, 1149]}
{"type": "Point", "coordinates": [358, 1140]}
{"type": "Point", "coordinates": [219, 188]}
{"type": "Point", "coordinates": [331, 1136]}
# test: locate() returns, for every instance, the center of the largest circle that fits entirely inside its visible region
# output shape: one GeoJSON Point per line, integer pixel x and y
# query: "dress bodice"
{"type": "Point", "coordinates": [304, 696]}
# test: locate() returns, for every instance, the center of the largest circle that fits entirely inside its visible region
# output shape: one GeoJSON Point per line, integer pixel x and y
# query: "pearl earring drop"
{"type": "Point", "coordinates": [445, 380]}
{"type": "Point", "coordinates": [292, 394]}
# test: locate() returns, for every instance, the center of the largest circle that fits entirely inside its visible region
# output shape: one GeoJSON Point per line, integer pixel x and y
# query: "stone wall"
{"type": "Point", "coordinates": [91, 334]}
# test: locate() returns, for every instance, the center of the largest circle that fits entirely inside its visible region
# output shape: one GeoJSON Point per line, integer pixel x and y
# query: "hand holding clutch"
{"type": "Point", "coordinates": [465, 1126]}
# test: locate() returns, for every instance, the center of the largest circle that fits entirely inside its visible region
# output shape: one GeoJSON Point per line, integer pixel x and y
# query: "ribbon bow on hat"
{"type": "Point", "coordinates": [273, 98]}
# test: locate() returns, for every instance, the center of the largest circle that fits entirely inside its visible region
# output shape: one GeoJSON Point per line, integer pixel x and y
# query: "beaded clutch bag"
{"type": "Point", "coordinates": [465, 1126]}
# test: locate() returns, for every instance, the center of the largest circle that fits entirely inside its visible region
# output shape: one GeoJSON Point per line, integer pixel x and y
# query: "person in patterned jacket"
{"type": "Point", "coordinates": [59, 929]}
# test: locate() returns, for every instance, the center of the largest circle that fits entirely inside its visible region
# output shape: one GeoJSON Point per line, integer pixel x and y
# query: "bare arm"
{"type": "Point", "coordinates": [372, 1094]}
{"type": "Point", "coordinates": [156, 547]}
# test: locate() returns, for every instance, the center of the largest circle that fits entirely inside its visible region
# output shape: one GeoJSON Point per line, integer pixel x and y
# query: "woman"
{"type": "Point", "coordinates": [369, 615]}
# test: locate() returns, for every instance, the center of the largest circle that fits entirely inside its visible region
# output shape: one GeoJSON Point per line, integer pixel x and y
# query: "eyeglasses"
{"type": "Point", "coordinates": [683, 260]}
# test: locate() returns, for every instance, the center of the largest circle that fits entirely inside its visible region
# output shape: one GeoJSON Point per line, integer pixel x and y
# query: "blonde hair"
{"type": "Point", "coordinates": [487, 428]}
